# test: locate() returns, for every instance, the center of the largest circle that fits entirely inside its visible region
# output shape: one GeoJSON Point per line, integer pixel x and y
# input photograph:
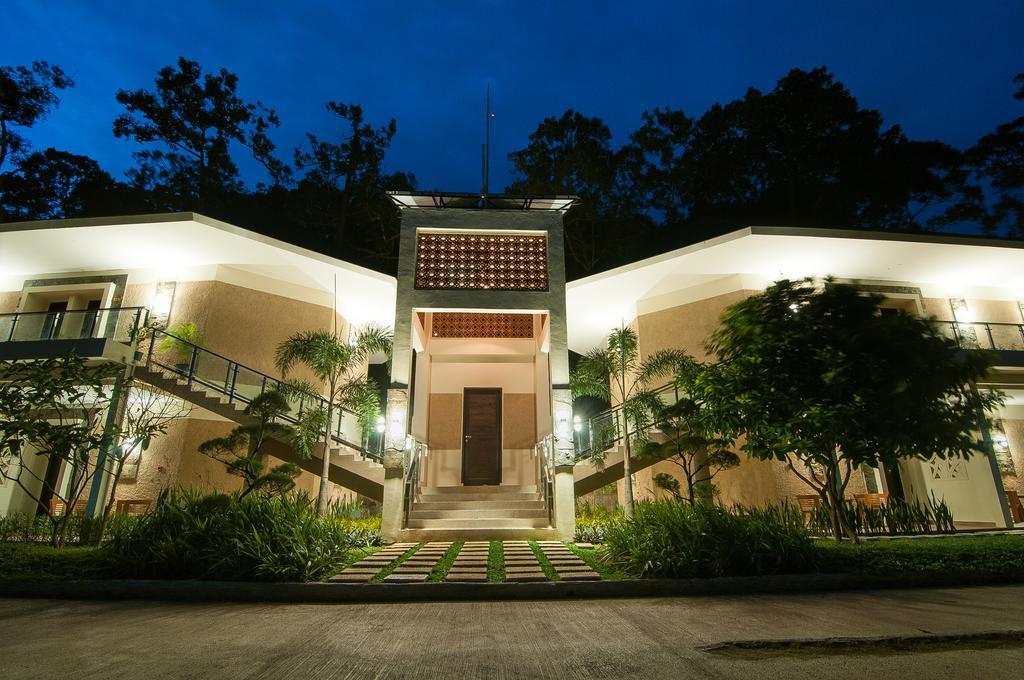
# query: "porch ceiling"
{"type": "Point", "coordinates": [950, 266]}
{"type": "Point", "coordinates": [169, 246]}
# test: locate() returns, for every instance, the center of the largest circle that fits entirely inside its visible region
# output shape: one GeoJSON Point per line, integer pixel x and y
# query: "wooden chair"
{"type": "Point", "coordinates": [59, 507]}
{"type": "Point", "coordinates": [133, 507]}
{"type": "Point", "coordinates": [1016, 511]}
{"type": "Point", "coordinates": [872, 500]}
{"type": "Point", "coordinates": [808, 505]}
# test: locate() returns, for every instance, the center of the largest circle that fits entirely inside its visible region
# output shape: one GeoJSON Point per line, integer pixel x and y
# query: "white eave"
{"type": "Point", "coordinates": [170, 243]}
{"type": "Point", "coordinates": [947, 266]}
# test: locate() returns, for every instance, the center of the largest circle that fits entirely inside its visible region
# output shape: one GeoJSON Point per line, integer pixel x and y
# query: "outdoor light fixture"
{"type": "Point", "coordinates": [577, 423]}
{"type": "Point", "coordinates": [563, 418]}
{"type": "Point", "coordinates": [961, 312]}
{"type": "Point", "coordinates": [395, 422]}
{"type": "Point", "coordinates": [163, 298]}
{"type": "Point", "coordinates": [999, 441]}
{"type": "Point", "coordinates": [380, 424]}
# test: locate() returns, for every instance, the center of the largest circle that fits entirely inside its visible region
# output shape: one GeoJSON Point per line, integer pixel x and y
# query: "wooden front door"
{"type": "Point", "coordinates": [481, 436]}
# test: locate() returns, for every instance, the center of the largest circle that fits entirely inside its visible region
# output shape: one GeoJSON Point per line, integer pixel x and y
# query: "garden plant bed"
{"type": "Point", "coordinates": [78, 573]}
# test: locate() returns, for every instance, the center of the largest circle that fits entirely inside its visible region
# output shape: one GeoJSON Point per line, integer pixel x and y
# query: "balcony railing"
{"type": "Point", "coordinates": [120, 324]}
{"type": "Point", "coordinates": [984, 335]}
{"type": "Point", "coordinates": [238, 383]}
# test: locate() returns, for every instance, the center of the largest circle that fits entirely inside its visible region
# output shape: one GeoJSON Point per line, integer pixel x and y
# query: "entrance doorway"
{"type": "Point", "coordinates": [481, 436]}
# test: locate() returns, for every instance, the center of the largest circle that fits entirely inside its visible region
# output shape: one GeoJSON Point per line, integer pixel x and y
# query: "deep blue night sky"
{"type": "Point", "coordinates": [941, 69]}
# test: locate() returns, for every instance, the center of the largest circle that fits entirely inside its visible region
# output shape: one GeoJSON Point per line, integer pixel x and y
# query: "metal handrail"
{"type": "Point", "coordinates": [965, 334]}
{"type": "Point", "coordinates": [605, 429]}
{"type": "Point", "coordinates": [101, 326]}
{"type": "Point", "coordinates": [229, 386]}
{"type": "Point", "coordinates": [545, 452]}
{"type": "Point", "coordinates": [416, 451]}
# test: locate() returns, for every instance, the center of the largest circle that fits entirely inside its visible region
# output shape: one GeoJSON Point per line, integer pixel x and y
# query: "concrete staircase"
{"type": "Point", "coordinates": [348, 468]}
{"type": "Point", "coordinates": [587, 477]}
{"type": "Point", "coordinates": [479, 513]}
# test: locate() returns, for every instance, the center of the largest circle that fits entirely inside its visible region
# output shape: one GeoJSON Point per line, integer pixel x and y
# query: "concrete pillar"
{"type": "Point", "coordinates": [393, 509]}
{"type": "Point", "coordinates": [565, 502]}
{"type": "Point", "coordinates": [104, 459]}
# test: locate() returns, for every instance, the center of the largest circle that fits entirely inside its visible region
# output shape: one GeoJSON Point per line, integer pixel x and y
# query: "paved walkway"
{"type": "Point", "coordinates": [471, 562]}
{"type": "Point", "coordinates": [567, 639]}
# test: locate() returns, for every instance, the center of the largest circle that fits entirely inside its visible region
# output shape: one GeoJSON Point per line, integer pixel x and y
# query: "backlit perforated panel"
{"type": "Point", "coordinates": [482, 325]}
{"type": "Point", "coordinates": [481, 261]}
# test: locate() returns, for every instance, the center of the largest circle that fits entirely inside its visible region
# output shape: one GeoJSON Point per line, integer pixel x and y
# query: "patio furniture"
{"type": "Point", "coordinates": [59, 507]}
{"type": "Point", "coordinates": [1016, 511]}
{"type": "Point", "coordinates": [808, 505]}
{"type": "Point", "coordinates": [872, 500]}
{"type": "Point", "coordinates": [133, 507]}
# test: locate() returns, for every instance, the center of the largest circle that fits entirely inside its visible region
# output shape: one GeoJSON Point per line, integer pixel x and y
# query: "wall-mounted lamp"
{"type": "Point", "coordinates": [563, 420]}
{"type": "Point", "coordinates": [577, 423]}
{"type": "Point", "coordinates": [380, 424]}
{"type": "Point", "coordinates": [163, 299]}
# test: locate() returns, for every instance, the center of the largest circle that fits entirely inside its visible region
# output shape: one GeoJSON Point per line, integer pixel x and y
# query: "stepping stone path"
{"type": "Point", "coordinates": [567, 564]}
{"type": "Point", "coordinates": [470, 565]}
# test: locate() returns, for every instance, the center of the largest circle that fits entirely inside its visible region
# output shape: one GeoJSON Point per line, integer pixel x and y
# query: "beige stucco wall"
{"type": "Point", "coordinates": [1014, 429]}
{"type": "Point", "coordinates": [173, 460]}
{"type": "Point", "coordinates": [686, 326]}
{"type": "Point", "coordinates": [9, 301]}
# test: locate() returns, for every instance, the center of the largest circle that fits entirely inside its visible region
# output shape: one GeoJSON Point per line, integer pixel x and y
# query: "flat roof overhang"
{"type": "Point", "coordinates": [956, 266]}
{"type": "Point", "coordinates": [436, 199]}
{"type": "Point", "coordinates": [169, 244]}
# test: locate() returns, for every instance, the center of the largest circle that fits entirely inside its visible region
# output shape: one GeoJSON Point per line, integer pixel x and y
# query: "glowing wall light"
{"type": "Point", "coordinates": [396, 418]}
{"type": "Point", "coordinates": [163, 299]}
{"type": "Point", "coordinates": [563, 420]}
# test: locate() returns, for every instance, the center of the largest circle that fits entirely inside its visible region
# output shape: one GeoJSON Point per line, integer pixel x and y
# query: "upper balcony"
{"type": "Point", "coordinates": [108, 333]}
{"type": "Point", "coordinates": [1005, 339]}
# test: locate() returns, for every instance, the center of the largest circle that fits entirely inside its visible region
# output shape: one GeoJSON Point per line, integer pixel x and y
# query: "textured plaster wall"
{"type": "Point", "coordinates": [1014, 430]}
{"type": "Point", "coordinates": [684, 327]}
{"type": "Point", "coordinates": [174, 460]}
{"type": "Point", "coordinates": [9, 301]}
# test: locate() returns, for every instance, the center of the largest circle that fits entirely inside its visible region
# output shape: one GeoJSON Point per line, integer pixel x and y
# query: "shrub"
{"type": "Point", "coordinates": [995, 557]}
{"type": "Point", "coordinates": [897, 517]}
{"type": "Point", "coordinates": [593, 520]}
{"type": "Point", "coordinates": [23, 527]}
{"type": "Point", "coordinates": [219, 537]}
{"type": "Point", "coordinates": [672, 539]}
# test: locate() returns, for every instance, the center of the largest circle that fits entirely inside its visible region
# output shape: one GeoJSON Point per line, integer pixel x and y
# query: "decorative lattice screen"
{"type": "Point", "coordinates": [481, 325]}
{"type": "Point", "coordinates": [481, 261]}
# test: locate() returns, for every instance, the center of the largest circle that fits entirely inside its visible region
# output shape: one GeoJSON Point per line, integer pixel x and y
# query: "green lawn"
{"type": "Point", "coordinates": [32, 562]}
{"type": "Point", "coordinates": [996, 556]}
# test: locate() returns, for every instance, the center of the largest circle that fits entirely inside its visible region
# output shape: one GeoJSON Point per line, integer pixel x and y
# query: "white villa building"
{"type": "Point", "coordinates": [478, 434]}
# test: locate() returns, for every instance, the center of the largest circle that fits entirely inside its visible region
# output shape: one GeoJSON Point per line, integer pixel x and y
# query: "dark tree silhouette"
{"type": "Point", "coordinates": [27, 94]}
{"type": "Point", "coordinates": [194, 118]}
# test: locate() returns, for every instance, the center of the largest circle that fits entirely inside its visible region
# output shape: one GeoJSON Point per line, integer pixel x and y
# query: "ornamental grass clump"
{"type": "Point", "coordinates": [593, 520]}
{"type": "Point", "coordinates": [673, 539]}
{"type": "Point", "coordinates": [189, 535]}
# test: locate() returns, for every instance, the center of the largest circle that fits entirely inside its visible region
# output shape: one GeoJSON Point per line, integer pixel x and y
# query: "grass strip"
{"type": "Point", "coordinates": [545, 563]}
{"type": "Point", "coordinates": [593, 559]}
{"type": "Point", "coordinates": [440, 569]}
{"type": "Point", "coordinates": [496, 562]}
{"type": "Point", "coordinates": [386, 571]}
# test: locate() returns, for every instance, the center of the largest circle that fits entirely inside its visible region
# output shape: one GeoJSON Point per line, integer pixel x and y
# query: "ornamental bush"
{"type": "Point", "coordinates": [189, 535]}
{"type": "Point", "coordinates": [673, 539]}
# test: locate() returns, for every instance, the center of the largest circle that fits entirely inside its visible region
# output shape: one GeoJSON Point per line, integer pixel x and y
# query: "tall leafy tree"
{"type": "Point", "coordinates": [572, 154]}
{"type": "Point", "coordinates": [54, 184]}
{"type": "Point", "coordinates": [27, 94]}
{"type": "Point", "coordinates": [998, 160]}
{"type": "Point", "coordinates": [335, 364]}
{"type": "Point", "coordinates": [193, 119]}
{"type": "Point", "coordinates": [815, 377]}
{"type": "Point", "coordinates": [805, 153]}
{"type": "Point", "coordinates": [53, 409]}
{"type": "Point", "coordinates": [618, 374]}
{"type": "Point", "coordinates": [348, 170]}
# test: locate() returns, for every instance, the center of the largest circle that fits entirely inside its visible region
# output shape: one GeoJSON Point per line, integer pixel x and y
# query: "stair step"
{"type": "Point", "coordinates": [477, 534]}
{"type": "Point", "coordinates": [480, 523]}
{"type": "Point", "coordinates": [474, 504]}
{"type": "Point", "coordinates": [482, 489]}
{"type": "Point", "coordinates": [490, 514]}
{"type": "Point", "coordinates": [470, 497]}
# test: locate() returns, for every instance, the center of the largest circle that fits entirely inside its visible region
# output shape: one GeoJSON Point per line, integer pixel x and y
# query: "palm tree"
{"type": "Point", "coordinates": [334, 363]}
{"type": "Point", "coordinates": [616, 371]}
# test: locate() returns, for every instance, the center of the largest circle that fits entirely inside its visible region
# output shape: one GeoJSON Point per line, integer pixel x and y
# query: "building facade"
{"type": "Point", "coordinates": [478, 432]}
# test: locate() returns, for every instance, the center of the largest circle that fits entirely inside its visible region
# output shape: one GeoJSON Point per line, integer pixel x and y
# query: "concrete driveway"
{"type": "Point", "coordinates": [562, 640]}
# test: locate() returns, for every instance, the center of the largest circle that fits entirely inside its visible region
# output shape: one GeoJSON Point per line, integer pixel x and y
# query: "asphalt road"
{"type": "Point", "coordinates": [562, 640]}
